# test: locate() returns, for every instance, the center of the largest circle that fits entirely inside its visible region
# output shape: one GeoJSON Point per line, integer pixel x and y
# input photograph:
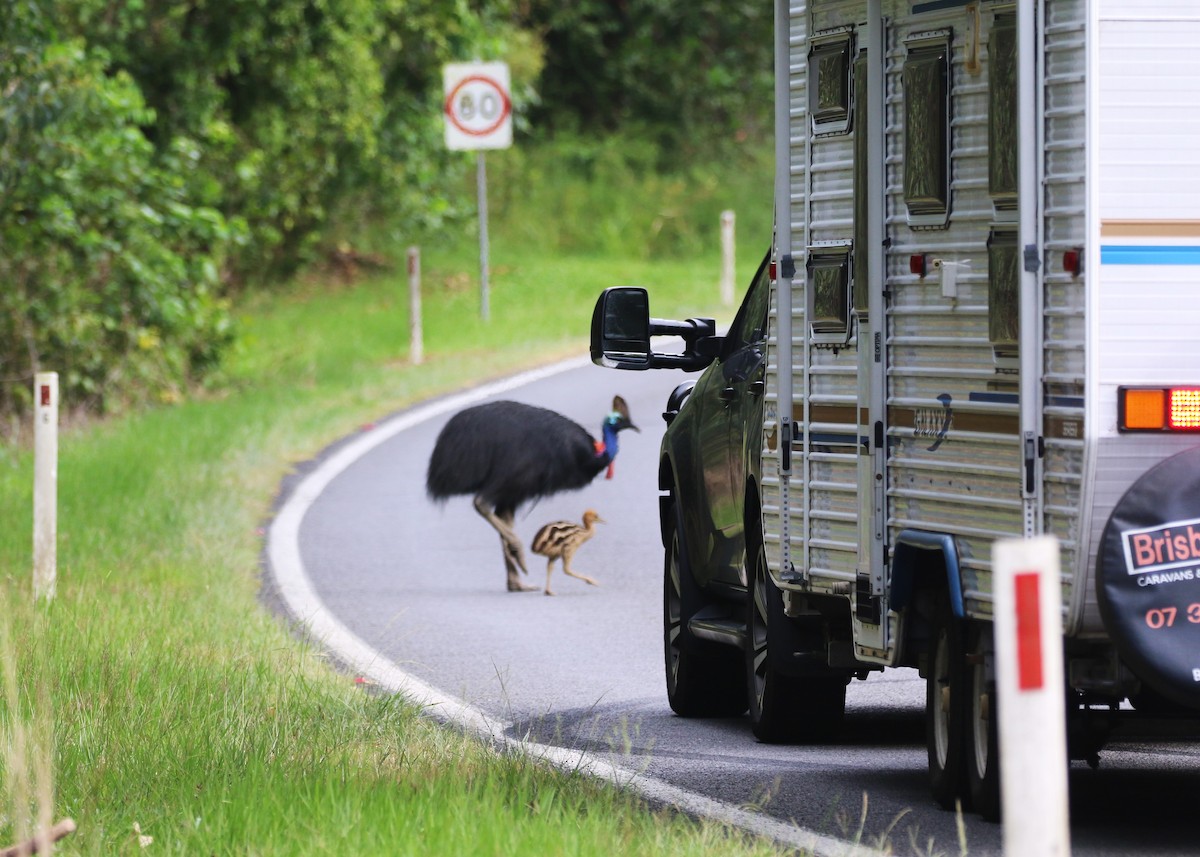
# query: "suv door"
{"type": "Point", "coordinates": [726, 412]}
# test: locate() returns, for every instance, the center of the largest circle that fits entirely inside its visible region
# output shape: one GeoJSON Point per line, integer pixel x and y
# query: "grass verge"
{"type": "Point", "coordinates": [176, 714]}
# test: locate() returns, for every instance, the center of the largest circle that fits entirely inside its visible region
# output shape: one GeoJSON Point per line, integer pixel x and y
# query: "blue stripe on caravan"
{"type": "Point", "coordinates": [1133, 254]}
{"type": "Point", "coordinates": [934, 5]}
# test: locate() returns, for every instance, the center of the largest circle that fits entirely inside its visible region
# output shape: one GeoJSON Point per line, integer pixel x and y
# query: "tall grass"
{"type": "Point", "coordinates": [169, 705]}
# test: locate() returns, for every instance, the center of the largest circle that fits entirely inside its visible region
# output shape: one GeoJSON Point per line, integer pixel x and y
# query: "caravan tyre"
{"type": "Point", "coordinates": [983, 754]}
{"type": "Point", "coordinates": [946, 709]}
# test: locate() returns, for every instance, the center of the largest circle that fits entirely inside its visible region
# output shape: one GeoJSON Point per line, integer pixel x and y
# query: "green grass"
{"type": "Point", "coordinates": [161, 694]}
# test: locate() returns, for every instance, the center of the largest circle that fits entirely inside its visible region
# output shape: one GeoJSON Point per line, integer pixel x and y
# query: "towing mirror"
{"type": "Point", "coordinates": [622, 328]}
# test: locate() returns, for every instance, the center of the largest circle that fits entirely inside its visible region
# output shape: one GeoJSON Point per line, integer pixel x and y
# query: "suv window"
{"type": "Point", "coordinates": [750, 324]}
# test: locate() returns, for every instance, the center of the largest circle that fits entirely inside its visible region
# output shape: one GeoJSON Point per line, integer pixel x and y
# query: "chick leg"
{"type": "Point", "coordinates": [549, 571]}
{"type": "Point", "coordinates": [566, 563]}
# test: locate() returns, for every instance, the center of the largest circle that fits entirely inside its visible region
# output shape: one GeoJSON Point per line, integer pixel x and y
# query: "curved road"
{"type": "Point", "coordinates": [412, 595]}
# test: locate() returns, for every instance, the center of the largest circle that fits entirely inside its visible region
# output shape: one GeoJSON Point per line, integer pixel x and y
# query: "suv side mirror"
{"type": "Point", "coordinates": [622, 327]}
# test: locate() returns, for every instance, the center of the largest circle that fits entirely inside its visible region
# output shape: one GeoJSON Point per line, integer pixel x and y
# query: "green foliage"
{"type": "Point", "coordinates": [686, 72]}
{"type": "Point", "coordinates": [156, 156]}
{"type": "Point", "coordinates": [110, 269]}
{"type": "Point", "coordinates": [605, 195]}
{"type": "Point", "coordinates": [307, 110]}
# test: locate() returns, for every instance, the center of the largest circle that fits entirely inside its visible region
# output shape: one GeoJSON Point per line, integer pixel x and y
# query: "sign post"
{"type": "Point", "coordinates": [478, 111]}
{"type": "Point", "coordinates": [1029, 682]}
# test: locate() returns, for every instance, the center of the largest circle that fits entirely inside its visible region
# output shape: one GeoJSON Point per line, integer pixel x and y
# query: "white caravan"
{"type": "Point", "coordinates": [982, 321]}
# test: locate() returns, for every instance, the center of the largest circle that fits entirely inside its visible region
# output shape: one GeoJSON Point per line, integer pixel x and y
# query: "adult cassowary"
{"type": "Point", "coordinates": [507, 453]}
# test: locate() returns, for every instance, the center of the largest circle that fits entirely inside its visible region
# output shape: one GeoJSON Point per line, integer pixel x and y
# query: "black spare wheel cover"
{"type": "Point", "coordinates": [1149, 577]}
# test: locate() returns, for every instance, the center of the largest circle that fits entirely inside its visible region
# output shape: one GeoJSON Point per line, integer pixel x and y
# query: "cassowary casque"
{"type": "Point", "coordinates": [508, 453]}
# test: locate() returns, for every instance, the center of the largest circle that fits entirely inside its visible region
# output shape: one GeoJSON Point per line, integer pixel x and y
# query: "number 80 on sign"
{"type": "Point", "coordinates": [477, 106]}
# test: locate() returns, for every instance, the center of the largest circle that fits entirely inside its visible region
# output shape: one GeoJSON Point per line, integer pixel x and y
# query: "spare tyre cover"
{"type": "Point", "coordinates": [1148, 578]}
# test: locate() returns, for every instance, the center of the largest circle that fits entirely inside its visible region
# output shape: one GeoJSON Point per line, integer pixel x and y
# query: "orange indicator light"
{"type": "Point", "coordinates": [1143, 409]}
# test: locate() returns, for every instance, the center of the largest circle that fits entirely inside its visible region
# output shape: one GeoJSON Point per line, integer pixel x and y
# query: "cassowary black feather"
{"type": "Point", "coordinates": [509, 453]}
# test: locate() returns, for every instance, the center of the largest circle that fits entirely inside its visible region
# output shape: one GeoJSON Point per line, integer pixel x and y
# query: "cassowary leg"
{"type": "Point", "coordinates": [514, 554]}
{"type": "Point", "coordinates": [567, 570]}
{"type": "Point", "coordinates": [502, 522]}
{"type": "Point", "coordinates": [549, 571]}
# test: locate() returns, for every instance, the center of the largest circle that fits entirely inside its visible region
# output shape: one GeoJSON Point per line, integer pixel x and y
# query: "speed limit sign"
{"type": "Point", "coordinates": [478, 107]}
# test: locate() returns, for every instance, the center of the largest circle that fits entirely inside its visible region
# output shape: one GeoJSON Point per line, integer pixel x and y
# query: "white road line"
{"type": "Point", "coordinates": [291, 578]}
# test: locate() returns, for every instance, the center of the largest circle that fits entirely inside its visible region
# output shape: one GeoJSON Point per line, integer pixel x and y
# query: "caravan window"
{"type": "Point", "coordinates": [1004, 277]}
{"type": "Point", "coordinates": [829, 77]}
{"type": "Point", "coordinates": [829, 294]}
{"type": "Point", "coordinates": [926, 79]}
{"type": "Point", "coordinates": [1002, 112]}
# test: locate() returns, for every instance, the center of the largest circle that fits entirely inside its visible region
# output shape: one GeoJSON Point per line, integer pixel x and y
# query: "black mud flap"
{"type": "Point", "coordinates": [1148, 578]}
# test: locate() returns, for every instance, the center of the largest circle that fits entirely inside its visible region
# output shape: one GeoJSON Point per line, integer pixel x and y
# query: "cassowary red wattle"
{"type": "Point", "coordinates": [507, 453]}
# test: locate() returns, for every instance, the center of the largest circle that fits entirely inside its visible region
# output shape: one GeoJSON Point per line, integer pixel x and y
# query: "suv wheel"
{"type": "Point", "coordinates": [783, 707]}
{"type": "Point", "coordinates": [704, 679]}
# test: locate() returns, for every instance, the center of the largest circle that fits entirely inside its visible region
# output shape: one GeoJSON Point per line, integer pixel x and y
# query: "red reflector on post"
{"type": "Point", "coordinates": [45, 395]}
{"type": "Point", "coordinates": [1029, 632]}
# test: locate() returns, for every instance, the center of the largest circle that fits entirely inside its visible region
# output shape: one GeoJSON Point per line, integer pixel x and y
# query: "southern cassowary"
{"type": "Point", "coordinates": [507, 453]}
{"type": "Point", "coordinates": [560, 540]}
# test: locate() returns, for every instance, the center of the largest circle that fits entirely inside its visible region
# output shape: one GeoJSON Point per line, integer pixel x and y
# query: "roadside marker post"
{"type": "Point", "coordinates": [727, 258]}
{"type": "Point", "coordinates": [416, 336]}
{"type": "Point", "coordinates": [1029, 683]}
{"type": "Point", "coordinates": [45, 485]}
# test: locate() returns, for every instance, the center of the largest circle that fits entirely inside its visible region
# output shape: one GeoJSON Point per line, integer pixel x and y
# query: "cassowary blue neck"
{"type": "Point", "coordinates": [611, 443]}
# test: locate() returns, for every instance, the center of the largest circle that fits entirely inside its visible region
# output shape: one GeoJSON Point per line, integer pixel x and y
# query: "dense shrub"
{"type": "Point", "coordinates": [109, 269]}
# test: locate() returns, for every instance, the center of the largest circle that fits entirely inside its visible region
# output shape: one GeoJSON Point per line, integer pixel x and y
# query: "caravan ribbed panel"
{"type": "Point", "coordinates": [772, 512]}
{"type": "Point", "coordinates": [1064, 318]}
{"type": "Point", "coordinates": [954, 461]}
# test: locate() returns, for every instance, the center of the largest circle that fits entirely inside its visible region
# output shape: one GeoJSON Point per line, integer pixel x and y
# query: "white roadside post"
{"type": "Point", "coordinates": [478, 111]}
{"type": "Point", "coordinates": [727, 258]}
{"type": "Point", "coordinates": [1030, 686]}
{"type": "Point", "coordinates": [45, 485]}
{"type": "Point", "coordinates": [416, 336]}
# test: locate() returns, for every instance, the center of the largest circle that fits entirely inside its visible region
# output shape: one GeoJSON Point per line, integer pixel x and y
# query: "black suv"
{"type": "Point", "coordinates": [728, 643]}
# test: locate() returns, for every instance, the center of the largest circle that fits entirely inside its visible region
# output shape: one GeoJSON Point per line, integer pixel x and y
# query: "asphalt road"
{"type": "Point", "coordinates": [419, 589]}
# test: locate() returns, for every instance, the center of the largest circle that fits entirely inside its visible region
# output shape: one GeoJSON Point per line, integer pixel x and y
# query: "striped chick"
{"type": "Point", "coordinates": [560, 540]}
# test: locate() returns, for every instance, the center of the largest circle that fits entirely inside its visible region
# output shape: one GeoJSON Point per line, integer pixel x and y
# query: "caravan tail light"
{"type": "Point", "coordinates": [1158, 408]}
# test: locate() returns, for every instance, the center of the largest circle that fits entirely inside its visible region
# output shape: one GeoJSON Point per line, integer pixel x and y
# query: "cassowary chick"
{"type": "Point", "coordinates": [560, 540]}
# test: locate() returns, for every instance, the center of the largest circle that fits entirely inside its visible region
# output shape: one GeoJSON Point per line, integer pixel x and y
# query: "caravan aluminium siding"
{"type": "Point", "coordinates": [954, 461]}
{"type": "Point", "coordinates": [773, 524]}
{"type": "Point", "coordinates": [1064, 324]}
{"type": "Point", "coordinates": [1146, 74]}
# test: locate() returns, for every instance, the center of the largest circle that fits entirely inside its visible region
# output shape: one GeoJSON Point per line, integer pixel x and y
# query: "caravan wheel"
{"type": "Point", "coordinates": [983, 758]}
{"type": "Point", "coordinates": [946, 709]}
